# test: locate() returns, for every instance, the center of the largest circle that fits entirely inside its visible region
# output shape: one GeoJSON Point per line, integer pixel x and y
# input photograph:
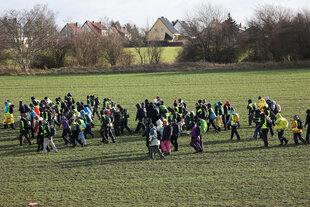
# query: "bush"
{"type": "Point", "coordinates": [53, 58]}
{"type": "Point", "coordinates": [126, 58]}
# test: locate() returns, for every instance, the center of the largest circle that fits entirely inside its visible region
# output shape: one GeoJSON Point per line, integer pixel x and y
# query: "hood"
{"type": "Point", "coordinates": [82, 113]}
{"type": "Point", "coordinates": [227, 102]}
{"type": "Point", "coordinates": [215, 104]}
{"type": "Point", "coordinates": [159, 123]}
{"type": "Point", "coordinates": [138, 106]}
{"type": "Point", "coordinates": [278, 116]}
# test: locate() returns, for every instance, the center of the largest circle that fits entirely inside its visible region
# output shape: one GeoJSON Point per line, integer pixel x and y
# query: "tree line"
{"type": "Point", "coordinates": [30, 38]}
{"type": "Point", "coordinates": [274, 33]}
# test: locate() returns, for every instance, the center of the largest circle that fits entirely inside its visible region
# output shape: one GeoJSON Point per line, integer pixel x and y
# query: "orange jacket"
{"type": "Point", "coordinates": [295, 126]}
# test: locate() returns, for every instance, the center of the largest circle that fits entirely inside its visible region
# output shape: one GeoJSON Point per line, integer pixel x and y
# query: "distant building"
{"type": "Point", "coordinates": [95, 28]}
{"type": "Point", "coordinates": [163, 30]}
{"type": "Point", "coordinates": [121, 32]}
{"type": "Point", "coordinates": [70, 30]}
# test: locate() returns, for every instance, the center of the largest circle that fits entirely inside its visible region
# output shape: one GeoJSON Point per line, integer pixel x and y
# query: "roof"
{"type": "Point", "coordinates": [116, 31]}
{"type": "Point", "coordinates": [122, 30]}
{"type": "Point", "coordinates": [75, 28]}
{"type": "Point", "coordinates": [168, 24]}
{"type": "Point", "coordinates": [96, 27]}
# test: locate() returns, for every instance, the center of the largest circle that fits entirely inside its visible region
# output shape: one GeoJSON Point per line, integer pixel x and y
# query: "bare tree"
{"type": "Point", "coordinates": [86, 48]}
{"type": "Point", "coordinates": [154, 53]}
{"type": "Point", "coordinates": [112, 46]}
{"type": "Point", "coordinates": [28, 31]}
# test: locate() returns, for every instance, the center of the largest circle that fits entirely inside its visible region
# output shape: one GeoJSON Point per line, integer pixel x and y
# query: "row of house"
{"type": "Point", "coordinates": [162, 30]}
{"type": "Point", "coordinates": [94, 28]}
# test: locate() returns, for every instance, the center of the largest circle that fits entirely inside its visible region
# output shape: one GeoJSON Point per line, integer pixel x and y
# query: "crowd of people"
{"type": "Point", "coordinates": [161, 126]}
{"type": "Point", "coordinates": [41, 117]}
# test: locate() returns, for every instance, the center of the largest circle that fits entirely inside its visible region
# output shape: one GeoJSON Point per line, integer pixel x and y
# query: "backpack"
{"type": "Point", "coordinates": [126, 113]}
{"type": "Point", "coordinates": [153, 134]}
{"type": "Point", "coordinates": [212, 115]}
{"type": "Point", "coordinates": [97, 101]}
{"type": "Point", "coordinates": [236, 118]}
{"type": "Point", "coordinates": [52, 131]}
{"type": "Point", "coordinates": [299, 124]}
{"type": "Point", "coordinates": [204, 125]}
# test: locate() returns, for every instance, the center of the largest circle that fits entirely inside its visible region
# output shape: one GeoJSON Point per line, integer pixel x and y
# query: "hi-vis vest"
{"type": "Point", "coordinates": [43, 131]}
{"type": "Point", "coordinates": [75, 126]}
{"type": "Point", "coordinates": [199, 111]}
{"type": "Point", "coordinates": [23, 126]}
{"type": "Point", "coordinates": [220, 109]}
{"type": "Point", "coordinates": [59, 104]}
{"type": "Point", "coordinates": [233, 120]}
{"type": "Point", "coordinates": [265, 125]}
{"type": "Point", "coordinates": [251, 106]}
{"type": "Point", "coordinates": [82, 124]}
{"type": "Point", "coordinates": [296, 127]}
{"type": "Point", "coordinates": [109, 124]}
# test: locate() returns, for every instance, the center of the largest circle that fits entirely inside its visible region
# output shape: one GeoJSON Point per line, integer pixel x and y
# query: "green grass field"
{"type": "Point", "coordinates": [169, 54]}
{"type": "Point", "coordinates": [227, 174]}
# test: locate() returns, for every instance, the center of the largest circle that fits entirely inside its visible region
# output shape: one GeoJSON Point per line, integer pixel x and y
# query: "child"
{"type": "Point", "coordinates": [195, 142]}
{"type": "Point", "coordinates": [166, 137]}
{"type": "Point", "coordinates": [308, 123]}
{"type": "Point", "coordinates": [175, 134]}
{"type": "Point", "coordinates": [154, 143]}
{"type": "Point", "coordinates": [234, 124]}
{"type": "Point", "coordinates": [297, 130]}
{"type": "Point", "coordinates": [48, 140]}
{"type": "Point", "coordinates": [281, 124]}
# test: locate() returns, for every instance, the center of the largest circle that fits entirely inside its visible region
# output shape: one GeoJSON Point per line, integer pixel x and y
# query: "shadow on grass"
{"type": "Point", "coordinates": [105, 159]}
{"type": "Point", "coordinates": [251, 148]}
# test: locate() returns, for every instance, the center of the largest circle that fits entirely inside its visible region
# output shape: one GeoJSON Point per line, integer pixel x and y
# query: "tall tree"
{"type": "Point", "coordinates": [28, 31]}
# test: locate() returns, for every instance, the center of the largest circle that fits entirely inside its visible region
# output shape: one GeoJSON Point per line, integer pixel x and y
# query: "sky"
{"type": "Point", "coordinates": [143, 13]}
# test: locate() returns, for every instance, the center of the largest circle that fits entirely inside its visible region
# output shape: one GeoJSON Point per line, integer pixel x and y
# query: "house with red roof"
{"type": "Point", "coordinates": [121, 32]}
{"type": "Point", "coordinates": [70, 30]}
{"type": "Point", "coordinates": [95, 28]}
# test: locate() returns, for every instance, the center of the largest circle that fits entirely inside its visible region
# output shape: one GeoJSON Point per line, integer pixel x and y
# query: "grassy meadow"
{"type": "Point", "coordinates": [228, 173]}
{"type": "Point", "coordinates": [169, 54]}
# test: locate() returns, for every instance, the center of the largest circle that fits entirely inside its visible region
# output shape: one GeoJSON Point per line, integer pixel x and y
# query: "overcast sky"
{"type": "Point", "coordinates": [140, 12]}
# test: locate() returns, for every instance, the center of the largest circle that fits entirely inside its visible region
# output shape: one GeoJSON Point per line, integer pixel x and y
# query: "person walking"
{"type": "Point", "coordinates": [297, 128]}
{"type": "Point", "coordinates": [281, 124]}
{"type": "Point", "coordinates": [233, 122]}
{"type": "Point", "coordinates": [166, 138]}
{"type": "Point", "coordinates": [24, 130]}
{"type": "Point", "coordinates": [264, 126]}
{"type": "Point", "coordinates": [307, 123]}
{"type": "Point", "coordinates": [154, 143]}
{"type": "Point", "coordinates": [176, 130]}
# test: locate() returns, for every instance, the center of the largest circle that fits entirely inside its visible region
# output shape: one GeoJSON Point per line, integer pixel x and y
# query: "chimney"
{"type": "Point", "coordinates": [76, 24]}
{"type": "Point", "coordinates": [240, 25]}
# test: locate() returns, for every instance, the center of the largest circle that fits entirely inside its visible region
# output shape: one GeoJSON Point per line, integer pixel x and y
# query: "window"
{"type": "Point", "coordinates": [155, 30]}
{"type": "Point", "coordinates": [162, 29]}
